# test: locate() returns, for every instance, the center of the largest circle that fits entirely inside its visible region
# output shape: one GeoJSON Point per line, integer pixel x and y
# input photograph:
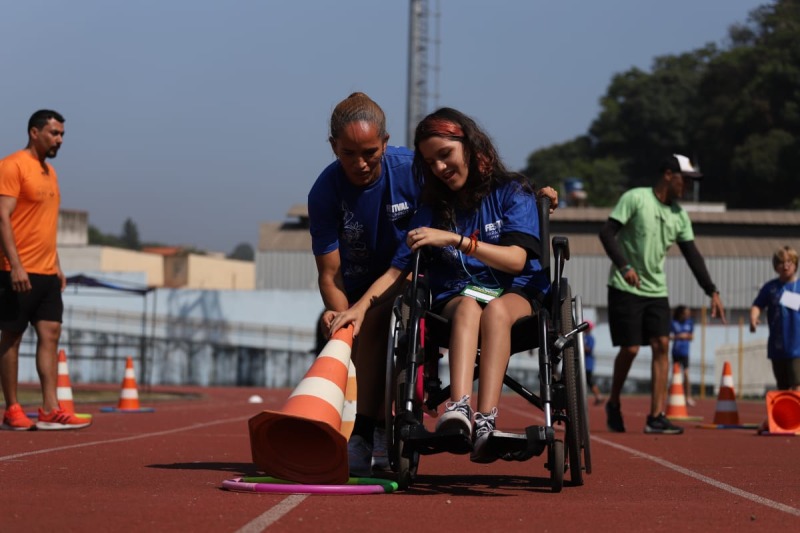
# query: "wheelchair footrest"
{"type": "Point", "coordinates": [424, 442]}
{"type": "Point", "coordinates": [518, 446]}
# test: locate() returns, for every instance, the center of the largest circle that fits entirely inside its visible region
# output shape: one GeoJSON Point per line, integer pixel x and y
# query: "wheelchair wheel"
{"type": "Point", "coordinates": [396, 419]}
{"type": "Point", "coordinates": [583, 398]}
{"type": "Point", "coordinates": [555, 459]}
{"type": "Point", "coordinates": [570, 378]}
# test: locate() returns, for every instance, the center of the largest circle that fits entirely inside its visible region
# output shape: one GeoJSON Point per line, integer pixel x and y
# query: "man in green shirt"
{"type": "Point", "coordinates": [639, 231]}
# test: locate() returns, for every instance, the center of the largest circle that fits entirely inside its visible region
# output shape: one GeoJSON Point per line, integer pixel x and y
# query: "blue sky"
{"type": "Point", "coordinates": [201, 119]}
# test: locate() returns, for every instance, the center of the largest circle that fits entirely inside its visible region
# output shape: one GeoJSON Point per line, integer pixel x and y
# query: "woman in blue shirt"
{"type": "Point", "coordinates": [481, 224]}
{"type": "Point", "coordinates": [359, 208]}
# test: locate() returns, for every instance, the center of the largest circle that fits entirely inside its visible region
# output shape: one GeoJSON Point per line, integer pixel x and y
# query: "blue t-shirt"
{"type": "Point", "coordinates": [364, 223]}
{"type": "Point", "coordinates": [680, 347]}
{"type": "Point", "coordinates": [506, 209]}
{"type": "Point", "coordinates": [588, 351]}
{"type": "Point", "coordinates": [783, 322]}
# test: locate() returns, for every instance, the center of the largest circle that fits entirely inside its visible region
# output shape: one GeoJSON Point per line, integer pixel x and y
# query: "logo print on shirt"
{"type": "Point", "coordinates": [397, 211]}
{"type": "Point", "coordinates": [492, 231]}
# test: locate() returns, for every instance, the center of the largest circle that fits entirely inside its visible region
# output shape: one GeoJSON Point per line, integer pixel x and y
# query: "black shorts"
{"type": "Point", "coordinates": [634, 320]}
{"type": "Point", "coordinates": [787, 372]}
{"type": "Point", "coordinates": [42, 302]}
{"type": "Point", "coordinates": [682, 360]}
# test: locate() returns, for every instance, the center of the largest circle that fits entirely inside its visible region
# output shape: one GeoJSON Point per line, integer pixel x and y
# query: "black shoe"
{"type": "Point", "coordinates": [661, 424]}
{"type": "Point", "coordinates": [614, 418]}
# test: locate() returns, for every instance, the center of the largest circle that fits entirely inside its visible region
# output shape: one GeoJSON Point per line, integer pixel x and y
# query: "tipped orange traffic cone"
{"type": "Point", "coordinates": [349, 408]}
{"type": "Point", "coordinates": [302, 442]}
{"type": "Point", "coordinates": [129, 395]}
{"type": "Point", "coordinates": [727, 412]}
{"type": "Point", "coordinates": [783, 411]}
{"type": "Point", "coordinates": [63, 386]}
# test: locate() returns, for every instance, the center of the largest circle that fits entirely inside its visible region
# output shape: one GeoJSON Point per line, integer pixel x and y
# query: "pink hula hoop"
{"type": "Point", "coordinates": [237, 484]}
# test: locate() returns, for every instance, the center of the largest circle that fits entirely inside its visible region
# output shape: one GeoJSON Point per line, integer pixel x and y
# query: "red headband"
{"type": "Point", "coordinates": [444, 128]}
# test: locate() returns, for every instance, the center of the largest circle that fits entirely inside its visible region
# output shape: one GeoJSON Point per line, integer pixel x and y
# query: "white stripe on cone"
{"type": "Point", "coordinates": [64, 393]}
{"type": "Point", "coordinates": [322, 388]}
{"type": "Point", "coordinates": [726, 406]}
{"type": "Point", "coordinates": [129, 394]}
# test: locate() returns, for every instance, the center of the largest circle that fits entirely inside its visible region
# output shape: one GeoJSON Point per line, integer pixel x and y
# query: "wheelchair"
{"type": "Point", "coordinates": [413, 387]}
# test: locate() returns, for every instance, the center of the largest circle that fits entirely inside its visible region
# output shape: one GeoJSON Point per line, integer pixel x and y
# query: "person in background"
{"type": "Point", "coordinates": [681, 334]}
{"type": "Point", "coordinates": [588, 353]}
{"type": "Point", "coordinates": [480, 224]}
{"type": "Point", "coordinates": [31, 280]}
{"type": "Point", "coordinates": [643, 225]}
{"type": "Point", "coordinates": [359, 208]}
{"type": "Point", "coordinates": [781, 298]}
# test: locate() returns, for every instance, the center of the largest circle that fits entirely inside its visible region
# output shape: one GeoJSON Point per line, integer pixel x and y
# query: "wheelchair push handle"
{"type": "Point", "coordinates": [565, 340]}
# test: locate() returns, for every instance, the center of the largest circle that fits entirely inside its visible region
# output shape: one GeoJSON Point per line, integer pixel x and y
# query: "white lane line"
{"type": "Point", "coordinates": [124, 439]}
{"type": "Point", "coordinates": [685, 471]}
{"type": "Point", "coordinates": [273, 514]}
{"type": "Point", "coordinates": [705, 479]}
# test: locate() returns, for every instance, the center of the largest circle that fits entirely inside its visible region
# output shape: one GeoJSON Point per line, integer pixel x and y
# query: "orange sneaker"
{"type": "Point", "coordinates": [60, 419]}
{"type": "Point", "coordinates": [14, 419]}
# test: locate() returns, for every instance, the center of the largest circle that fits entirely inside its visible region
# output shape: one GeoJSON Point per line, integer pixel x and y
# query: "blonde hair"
{"type": "Point", "coordinates": [785, 253]}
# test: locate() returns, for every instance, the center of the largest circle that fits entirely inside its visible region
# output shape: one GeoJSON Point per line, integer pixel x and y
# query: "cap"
{"type": "Point", "coordinates": [681, 163]}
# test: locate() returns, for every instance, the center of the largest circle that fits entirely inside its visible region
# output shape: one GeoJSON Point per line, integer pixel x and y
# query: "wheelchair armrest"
{"type": "Point", "coordinates": [561, 243]}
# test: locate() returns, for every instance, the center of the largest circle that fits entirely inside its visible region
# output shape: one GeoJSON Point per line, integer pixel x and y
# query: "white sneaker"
{"type": "Point", "coordinates": [380, 457]}
{"type": "Point", "coordinates": [484, 426]}
{"type": "Point", "coordinates": [457, 415]}
{"type": "Point", "coordinates": [359, 456]}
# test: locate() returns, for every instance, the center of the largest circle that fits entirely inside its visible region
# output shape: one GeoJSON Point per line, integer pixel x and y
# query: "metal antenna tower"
{"type": "Point", "coordinates": [437, 41]}
{"type": "Point", "coordinates": [417, 67]}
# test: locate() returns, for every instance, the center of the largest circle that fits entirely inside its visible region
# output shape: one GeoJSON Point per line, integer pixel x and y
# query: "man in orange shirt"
{"type": "Point", "coordinates": [31, 280]}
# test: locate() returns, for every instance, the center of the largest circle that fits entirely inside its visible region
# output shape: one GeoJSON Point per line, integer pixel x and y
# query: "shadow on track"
{"type": "Point", "coordinates": [240, 469]}
{"type": "Point", "coordinates": [472, 485]}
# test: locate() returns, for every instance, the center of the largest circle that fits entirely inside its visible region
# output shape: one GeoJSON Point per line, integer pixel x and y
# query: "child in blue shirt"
{"type": "Point", "coordinates": [780, 297]}
{"type": "Point", "coordinates": [480, 223]}
{"type": "Point", "coordinates": [681, 333]}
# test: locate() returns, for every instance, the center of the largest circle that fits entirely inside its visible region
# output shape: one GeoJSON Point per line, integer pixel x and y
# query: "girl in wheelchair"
{"type": "Point", "coordinates": [479, 224]}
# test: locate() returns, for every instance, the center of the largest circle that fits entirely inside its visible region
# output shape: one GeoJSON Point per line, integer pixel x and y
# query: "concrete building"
{"type": "Point", "coordinates": [163, 266]}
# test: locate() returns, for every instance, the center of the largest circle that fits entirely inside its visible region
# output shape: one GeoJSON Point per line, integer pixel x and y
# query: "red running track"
{"type": "Point", "coordinates": [163, 471]}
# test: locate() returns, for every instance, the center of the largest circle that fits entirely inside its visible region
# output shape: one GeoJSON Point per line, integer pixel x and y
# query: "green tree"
{"type": "Point", "coordinates": [750, 127]}
{"type": "Point", "coordinates": [98, 238]}
{"type": "Point", "coordinates": [735, 111]}
{"type": "Point", "coordinates": [130, 235]}
{"type": "Point", "coordinates": [243, 252]}
{"type": "Point", "coordinates": [645, 116]}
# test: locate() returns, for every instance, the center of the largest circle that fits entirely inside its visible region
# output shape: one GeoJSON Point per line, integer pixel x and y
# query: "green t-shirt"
{"type": "Point", "coordinates": [649, 228]}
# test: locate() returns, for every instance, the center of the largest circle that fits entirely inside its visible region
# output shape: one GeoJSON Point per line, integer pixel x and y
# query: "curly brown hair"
{"type": "Point", "coordinates": [485, 169]}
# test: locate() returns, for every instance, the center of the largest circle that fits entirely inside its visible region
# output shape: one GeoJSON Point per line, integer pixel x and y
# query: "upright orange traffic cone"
{"type": "Point", "coordinates": [727, 412]}
{"type": "Point", "coordinates": [63, 386]}
{"type": "Point", "coordinates": [303, 442]}
{"type": "Point", "coordinates": [129, 395]}
{"type": "Point", "coordinates": [349, 408]}
{"type": "Point", "coordinates": [676, 402]}
{"type": "Point", "coordinates": [783, 412]}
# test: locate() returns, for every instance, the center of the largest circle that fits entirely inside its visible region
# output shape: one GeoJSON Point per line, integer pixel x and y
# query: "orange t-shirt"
{"type": "Point", "coordinates": [35, 218]}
